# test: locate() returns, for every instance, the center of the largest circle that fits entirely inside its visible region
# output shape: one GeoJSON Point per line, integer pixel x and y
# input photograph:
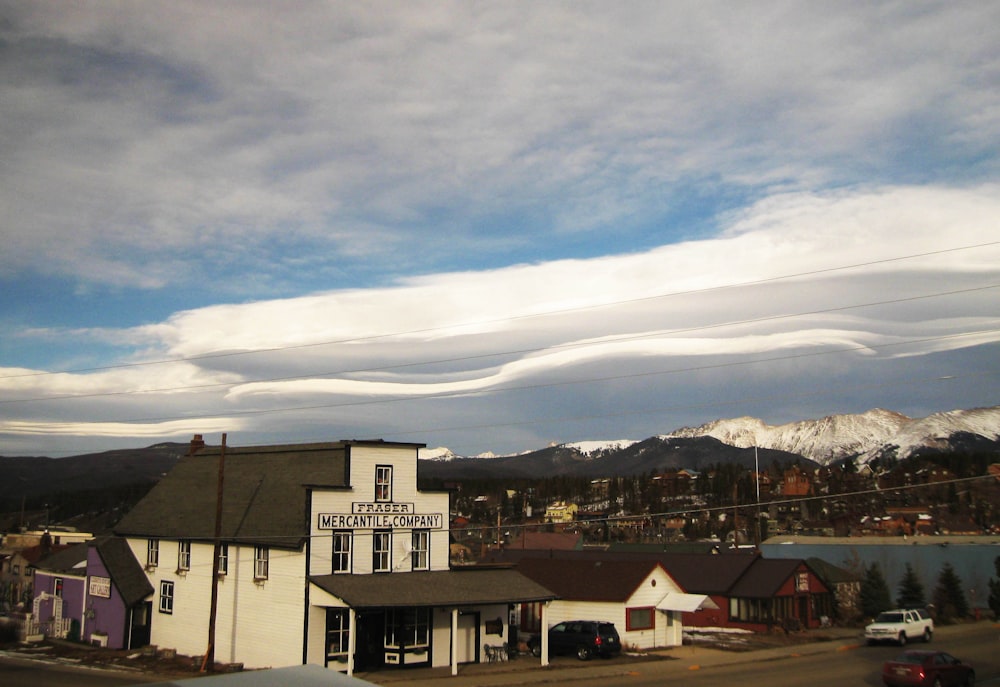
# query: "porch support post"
{"type": "Point", "coordinates": [352, 639]}
{"type": "Point", "coordinates": [454, 641]}
{"type": "Point", "coordinates": [545, 633]}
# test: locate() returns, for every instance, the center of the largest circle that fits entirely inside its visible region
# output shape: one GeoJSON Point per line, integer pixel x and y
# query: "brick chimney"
{"type": "Point", "coordinates": [197, 443]}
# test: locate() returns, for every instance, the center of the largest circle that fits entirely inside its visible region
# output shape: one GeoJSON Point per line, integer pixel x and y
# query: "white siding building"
{"type": "Point", "coordinates": [329, 554]}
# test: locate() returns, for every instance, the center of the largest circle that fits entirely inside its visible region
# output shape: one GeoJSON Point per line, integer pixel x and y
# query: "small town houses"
{"type": "Point", "coordinates": [329, 555]}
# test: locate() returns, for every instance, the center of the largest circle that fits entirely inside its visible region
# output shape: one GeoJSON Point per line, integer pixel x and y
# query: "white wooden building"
{"type": "Point", "coordinates": [329, 555]}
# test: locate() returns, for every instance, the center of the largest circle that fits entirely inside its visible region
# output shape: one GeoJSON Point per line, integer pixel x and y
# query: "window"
{"type": "Point", "coordinates": [57, 586]}
{"type": "Point", "coordinates": [419, 557]}
{"type": "Point", "coordinates": [337, 634]}
{"type": "Point", "coordinates": [383, 483]}
{"type": "Point", "coordinates": [223, 567]}
{"type": "Point", "coordinates": [639, 618]}
{"type": "Point", "coordinates": [407, 628]}
{"type": "Point", "coordinates": [183, 555]}
{"type": "Point", "coordinates": [166, 597]}
{"type": "Point", "coordinates": [381, 548]}
{"type": "Point", "coordinates": [260, 562]}
{"type": "Point", "coordinates": [152, 553]}
{"type": "Point", "coordinates": [17, 569]}
{"type": "Point", "coordinates": [342, 551]}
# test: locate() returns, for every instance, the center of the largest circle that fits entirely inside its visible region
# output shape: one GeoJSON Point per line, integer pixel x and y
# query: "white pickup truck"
{"type": "Point", "coordinates": [900, 626]}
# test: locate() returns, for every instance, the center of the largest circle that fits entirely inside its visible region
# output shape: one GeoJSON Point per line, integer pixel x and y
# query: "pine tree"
{"type": "Point", "coordinates": [995, 589]}
{"type": "Point", "coordinates": [949, 597]}
{"type": "Point", "coordinates": [911, 590]}
{"type": "Point", "coordinates": [874, 595]}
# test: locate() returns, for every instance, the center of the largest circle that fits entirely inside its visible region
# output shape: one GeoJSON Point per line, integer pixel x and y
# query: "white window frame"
{"type": "Point", "coordinates": [152, 553]}
{"type": "Point", "coordinates": [166, 597]}
{"type": "Point", "coordinates": [383, 483]}
{"type": "Point", "coordinates": [382, 551]}
{"type": "Point", "coordinates": [57, 587]}
{"type": "Point", "coordinates": [223, 562]}
{"type": "Point", "coordinates": [343, 541]}
{"type": "Point", "coordinates": [338, 634]}
{"type": "Point", "coordinates": [420, 552]}
{"type": "Point", "coordinates": [184, 555]}
{"type": "Point", "coordinates": [261, 562]}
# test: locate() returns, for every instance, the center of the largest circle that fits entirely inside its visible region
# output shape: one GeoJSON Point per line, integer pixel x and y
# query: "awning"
{"type": "Point", "coordinates": [677, 601]}
{"type": "Point", "coordinates": [458, 587]}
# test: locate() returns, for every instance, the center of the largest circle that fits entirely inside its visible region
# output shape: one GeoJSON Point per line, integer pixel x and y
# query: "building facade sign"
{"type": "Point", "coordinates": [380, 521]}
{"type": "Point", "coordinates": [100, 586]}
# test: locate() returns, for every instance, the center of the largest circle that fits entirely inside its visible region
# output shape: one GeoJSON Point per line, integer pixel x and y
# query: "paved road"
{"type": "Point", "coordinates": [18, 673]}
{"type": "Point", "coordinates": [837, 663]}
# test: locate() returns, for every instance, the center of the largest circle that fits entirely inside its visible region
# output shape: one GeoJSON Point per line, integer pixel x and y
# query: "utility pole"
{"type": "Point", "coordinates": [209, 662]}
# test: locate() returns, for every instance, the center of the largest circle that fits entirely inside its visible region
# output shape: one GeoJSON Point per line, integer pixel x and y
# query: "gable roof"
{"type": "Point", "coordinates": [588, 580]}
{"type": "Point", "coordinates": [695, 573]}
{"type": "Point", "coordinates": [464, 586]}
{"type": "Point", "coordinates": [707, 573]}
{"type": "Point", "coordinates": [830, 573]}
{"type": "Point", "coordinates": [70, 560]}
{"type": "Point", "coordinates": [265, 495]}
{"type": "Point", "coordinates": [125, 572]}
{"type": "Point", "coordinates": [765, 577]}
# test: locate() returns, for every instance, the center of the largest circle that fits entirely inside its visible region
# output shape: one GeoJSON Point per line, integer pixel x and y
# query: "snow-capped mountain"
{"type": "Point", "coordinates": [862, 436]}
{"type": "Point", "coordinates": [597, 448]}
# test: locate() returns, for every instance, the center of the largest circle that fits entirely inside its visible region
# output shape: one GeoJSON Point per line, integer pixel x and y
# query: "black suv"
{"type": "Point", "coordinates": [585, 638]}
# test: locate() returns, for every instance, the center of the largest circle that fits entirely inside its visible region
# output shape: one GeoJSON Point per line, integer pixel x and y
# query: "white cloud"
{"type": "Point", "coordinates": [696, 317]}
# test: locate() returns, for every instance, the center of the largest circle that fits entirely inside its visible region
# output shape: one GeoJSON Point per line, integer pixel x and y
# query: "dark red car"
{"type": "Point", "coordinates": [927, 669]}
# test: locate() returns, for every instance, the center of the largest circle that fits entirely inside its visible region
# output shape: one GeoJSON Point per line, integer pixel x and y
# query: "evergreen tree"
{"type": "Point", "coordinates": [911, 590]}
{"type": "Point", "coordinates": [874, 595]}
{"type": "Point", "coordinates": [949, 597]}
{"type": "Point", "coordinates": [995, 589]}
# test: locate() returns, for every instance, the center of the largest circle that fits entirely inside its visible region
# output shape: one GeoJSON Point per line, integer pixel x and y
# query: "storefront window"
{"type": "Point", "coordinates": [407, 628]}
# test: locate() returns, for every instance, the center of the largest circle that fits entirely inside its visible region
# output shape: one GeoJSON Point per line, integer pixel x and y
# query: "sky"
{"type": "Point", "coordinates": [491, 226]}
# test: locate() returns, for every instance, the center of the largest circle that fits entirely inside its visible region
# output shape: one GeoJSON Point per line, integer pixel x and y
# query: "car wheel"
{"type": "Point", "coordinates": [583, 653]}
{"type": "Point", "coordinates": [937, 682]}
{"type": "Point", "coordinates": [536, 650]}
{"type": "Point", "coordinates": [927, 634]}
{"type": "Point", "coordinates": [970, 679]}
{"type": "Point", "coordinates": [902, 639]}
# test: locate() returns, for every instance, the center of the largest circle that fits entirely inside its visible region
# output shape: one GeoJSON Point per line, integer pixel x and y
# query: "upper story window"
{"type": "Point", "coordinates": [184, 555]}
{"type": "Point", "coordinates": [383, 483]}
{"type": "Point", "coordinates": [260, 562]}
{"type": "Point", "coordinates": [166, 597]}
{"type": "Point", "coordinates": [152, 553]}
{"type": "Point", "coordinates": [381, 551]}
{"type": "Point", "coordinates": [420, 550]}
{"type": "Point", "coordinates": [57, 586]}
{"type": "Point", "coordinates": [223, 567]}
{"type": "Point", "coordinates": [342, 551]}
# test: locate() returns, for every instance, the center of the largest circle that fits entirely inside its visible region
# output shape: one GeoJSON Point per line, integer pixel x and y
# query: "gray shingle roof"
{"type": "Point", "coordinates": [69, 561]}
{"type": "Point", "coordinates": [265, 494]}
{"type": "Point", "coordinates": [125, 572]}
{"type": "Point", "coordinates": [435, 588]}
{"type": "Point", "coordinates": [588, 580]}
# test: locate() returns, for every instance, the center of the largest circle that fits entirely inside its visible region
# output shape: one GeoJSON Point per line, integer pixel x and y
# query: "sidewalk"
{"type": "Point", "coordinates": [675, 661]}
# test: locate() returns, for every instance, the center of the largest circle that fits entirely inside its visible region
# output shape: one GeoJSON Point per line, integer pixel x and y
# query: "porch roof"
{"type": "Point", "coordinates": [462, 587]}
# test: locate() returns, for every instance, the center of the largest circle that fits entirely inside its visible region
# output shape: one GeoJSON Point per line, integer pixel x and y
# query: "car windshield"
{"type": "Point", "coordinates": [889, 618]}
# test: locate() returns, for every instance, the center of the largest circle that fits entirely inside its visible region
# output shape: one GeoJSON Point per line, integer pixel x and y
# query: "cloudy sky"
{"type": "Point", "coordinates": [491, 225]}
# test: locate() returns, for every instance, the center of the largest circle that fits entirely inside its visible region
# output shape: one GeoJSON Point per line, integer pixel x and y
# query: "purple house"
{"type": "Point", "coordinates": [60, 592]}
{"type": "Point", "coordinates": [95, 593]}
{"type": "Point", "coordinates": [118, 608]}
